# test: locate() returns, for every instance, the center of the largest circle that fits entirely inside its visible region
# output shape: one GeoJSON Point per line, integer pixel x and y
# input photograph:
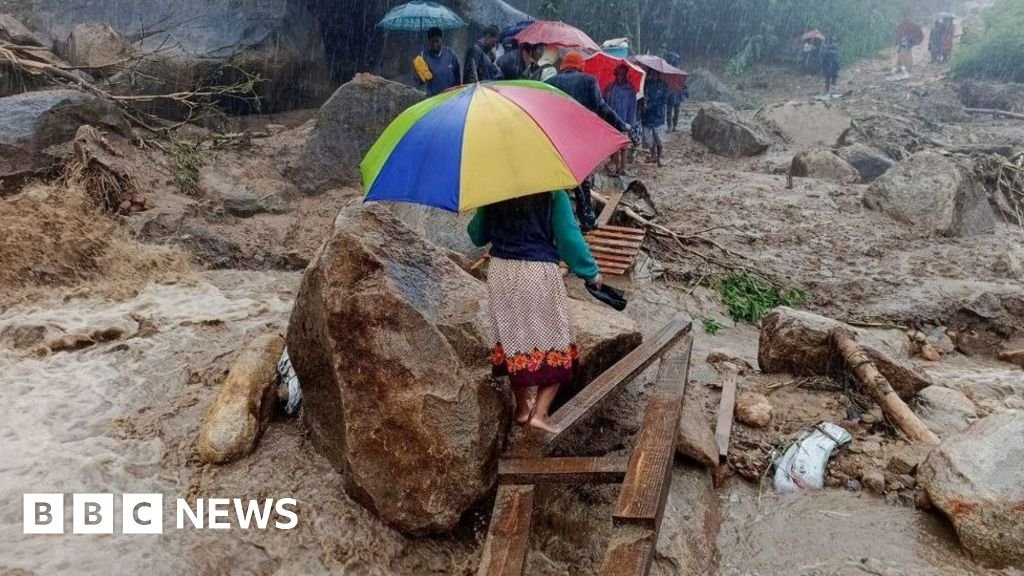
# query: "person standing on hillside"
{"type": "Point", "coordinates": [480, 66]}
{"type": "Point", "coordinates": [935, 40]}
{"type": "Point", "coordinates": [831, 58]}
{"type": "Point", "coordinates": [437, 67]}
{"type": "Point", "coordinates": [675, 97]}
{"type": "Point", "coordinates": [515, 62]}
{"type": "Point", "coordinates": [584, 88]}
{"type": "Point", "coordinates": [621, 96]}
{"type": "Point", "coordinates": [533, 339]}
{"type": "Point", "coordinates": [905, 55]}
{"type": "Point", "coordinates": [948, 37]}
{"type": "Point", "coordinates": [653, 116]}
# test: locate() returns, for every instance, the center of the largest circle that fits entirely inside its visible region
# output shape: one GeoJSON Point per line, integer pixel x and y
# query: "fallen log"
{"type": "Point", "coordinates": [864, 369]}
{"type": "Point", "coordinates": [995, 112]}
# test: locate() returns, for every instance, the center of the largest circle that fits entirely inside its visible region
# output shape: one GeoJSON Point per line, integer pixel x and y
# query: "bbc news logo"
{"type": "Point", "coordinates": [144, 513]}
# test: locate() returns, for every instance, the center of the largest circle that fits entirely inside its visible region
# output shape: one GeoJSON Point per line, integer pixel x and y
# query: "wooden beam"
{"type": "Point", "coordinates": [630, 552]}
{"type": "Point", "coordinates": [723, 430]}
{"type": "Point", "coordinates": [539, 443]}
{"type": "Point", "coordinates": [508, 536]}
{"type": "Point", "coordinates": [603, 470]}
{"type": "Point", "coordinates": [614, 197]}
{"type": "Point", "coordinates": [645, 489]}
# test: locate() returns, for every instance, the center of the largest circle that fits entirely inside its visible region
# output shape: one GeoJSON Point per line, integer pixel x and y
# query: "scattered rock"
{"type": "Point", "coordinates": [1008, 266]}
{"type": "Point", "coordinates": [14, 32]}
{"type": "Point", "coordinates": [1013, 356]}
{"type": "Point", "coordinates": [929, 353]}
{"type": "Point", "coordinates": [977, 481]}
{"type": "Point", "coordinates": [704, 86]}
{"type": "Point", "coordinates": [869, 162]}
{"type": "Point", "coordinates": [907, 458]}
{"type": "Point", "coordinates": [347, 126]}
{"type": "Point", "coordinates": [727, 133]}
{"type": "Point", "coordinates": [35, 121]}
{"type": "Point", "coordinates": [696, 439]}
{"type": "Point", "coordinates": [726, 361]}
{"type": "Point", "coordinates": [944, 410]}
{"type": "Point", "coordinates": [97, 47]}
{"type": "Point", "coordinates": [807, 124]}
{"type": "Point", "coordinates": [934, 193]}
{"type": "Point", "coordinates": [854, 485]}
{"type": "Point", "coordinates": [243, 406]}
{"type": "Point", "coordinates": [937, 337]}
{"type": "Point", "coordinates": [687, 543]}
{"type": "Point", "coordinates": [823, 165]}
{"type": "Point", "coordinates": [798, 343]}
{"type": "Point", "coordinates": [389, 338]}
{"type": "Point", "coordinates": [874, 482]}
{"type": "Point", "coordinates": [753, 409]}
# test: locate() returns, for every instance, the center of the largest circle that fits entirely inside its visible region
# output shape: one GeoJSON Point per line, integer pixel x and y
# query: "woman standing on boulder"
{"type": "Point", "coordinates": [533, 336]}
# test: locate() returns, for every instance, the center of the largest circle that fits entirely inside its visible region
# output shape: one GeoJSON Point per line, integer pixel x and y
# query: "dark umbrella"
{"type": "Point", "coordinates": [910, 29]}
{"type": "Point", "coordinates": [418, 16]}
{"type": "Point", "coordinates": [674, 77]}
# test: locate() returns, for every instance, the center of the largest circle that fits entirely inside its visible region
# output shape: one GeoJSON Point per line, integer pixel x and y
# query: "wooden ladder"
{"type": "Point", "coordinates": [645, 477]}
{"type": "Point", "coordinates": [615, 248]}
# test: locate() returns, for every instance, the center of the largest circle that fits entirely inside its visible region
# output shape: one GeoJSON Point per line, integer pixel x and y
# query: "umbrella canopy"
{"type": "Point", "coordinates": [674, 77]}
{"type": "Point", "coordinates": [910, 29]}
{"type": "Point", "coordinates": [484, 143]}
{"type": "Point", "coordinates": [557, 34]}
{"type": "Point", "coordinates": [419, 16]}
{"type": "Point", "coordinates": [813, 36]}
{"type": "Point", "coordinates": [513, 30]}
{"type": "Point", "coordinates": [603, 65]}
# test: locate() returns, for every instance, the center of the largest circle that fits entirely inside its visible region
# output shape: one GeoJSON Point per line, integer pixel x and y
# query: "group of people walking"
{"type": "Point", "coordinates": [534, 343]}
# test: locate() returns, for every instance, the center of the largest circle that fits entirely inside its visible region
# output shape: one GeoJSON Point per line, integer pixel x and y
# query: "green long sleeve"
{"type": "Point", "coordinates": [572, 248]}
{"type": "Point", "coordinates": [477, 229]}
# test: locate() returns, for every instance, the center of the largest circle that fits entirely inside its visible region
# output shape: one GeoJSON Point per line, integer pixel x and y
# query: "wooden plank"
{"type": "Point", "coordinates": [594, 247]}
{"type": "Point", "coordinates": [624, 260]}
{"type": "Point", "coordinates": [614, 197]}
{"type": "Point", "coordinates": [645, 489]}
{"type": "Point", "coordinates": [723, 430]}
{"type": "Point", "coordinates": [630, 552]}
{"type": "Point", "coordinates": [508, 536]}
{"type": "Point", "coordinates": [623, 229]}
{"type": "Point", "coordinates": [603, 470]}
{"type": "Point", "coordinates": [538, 443]}
{"type": "Point", "coordinates": [634, 244]}
{"type": "Point", "coordinates": [600, 233]}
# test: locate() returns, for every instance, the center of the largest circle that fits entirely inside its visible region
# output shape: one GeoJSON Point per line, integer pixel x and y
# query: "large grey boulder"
{"type": "Point", "coordinates": [704, 86]}
{"type": "Point", "coordinates": [807, 124]}
{"type": "Point", "coordinates": [389, 338]}
{"type": "Point", "coordinates": [977, 480]}
{"type": "Point", "coordinates": [36, 121]}
{"type": "Point", "coordinates": [347, 126]}
{"type": "Point", "coordinates": [799, 343]}
{"type": "Point", "coordinates": [723, 130]}
{"type": "Point", "coordinates": [869, 162]}
{"type": "Point", "coordinates": [945, 410]}
{"type": "Point", "coordinates": [934, 193]}
{"type": "Point", "coordinates": [823, 165]}
{"type": "Point", "coordinates": [13, 31]}
{"type": "Point", "coordinates": [96, 47]}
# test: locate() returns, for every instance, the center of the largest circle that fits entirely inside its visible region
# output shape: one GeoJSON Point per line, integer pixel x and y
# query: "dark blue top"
{"type": "Point", "coordinates": [622, 99]}
{"type": "Point", "coordinates": [585, 90]}
{"type": "Point", "coordinates": [655, 100]}
{"type": "Point", "coordinates": [479, 66]}
{"type": "Point", "coordinates": [445, 68]}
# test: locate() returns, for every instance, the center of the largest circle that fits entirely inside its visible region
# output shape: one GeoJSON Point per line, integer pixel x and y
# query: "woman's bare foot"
{"type": "Point", "coordinates": [523, 414]}
{"type": "Point", "coordinates": [542, 423]}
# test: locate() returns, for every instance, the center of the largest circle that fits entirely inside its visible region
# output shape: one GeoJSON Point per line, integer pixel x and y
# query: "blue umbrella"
{"type": "Point", "coordinates": [420, 15]}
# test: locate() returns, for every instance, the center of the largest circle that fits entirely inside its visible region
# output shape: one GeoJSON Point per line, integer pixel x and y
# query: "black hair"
{"type": "Point", "coordinates": [492, 32]}
{"type": "Point", "coordinates": [434, 32]}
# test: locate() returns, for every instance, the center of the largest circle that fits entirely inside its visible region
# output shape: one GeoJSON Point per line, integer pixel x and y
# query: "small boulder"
{"type": "Point", "coordinates": [807, 124]}
{"type": "Point", "coordinates": [823, 165]}
{"type": "Point", "coordinates": [944, 410]}
{"type": "Point", "coordinates": [799, 343]}
{"type": "Point", "coordinates": [907, 458]}
{"type": "Point", "coordinates": [1008, 266]}
{"type": "Point", "coordinates": [14, 32]}
{"type": "Point", "coordinates": [874, 481]}
{"type": "Point", "coordinates": [934, 193]}
{"type": "Point", "coordinates": [704, 86]}
{"type": "Point", "coordinates": [976, 479]}
{"type": "Point", "coordinates": [696, 439]}
{"type": "Point", "coordinates": [1015, 356]}
{"type": "Point", "coordinates": [753, 409]}
{"type": "Point", "coordinates": [242, 197]}
{"type": "Point", "coordinates": [96, 47]}
{"type": "Point", "coordinates": [243, 406]}
{"type": "Point", "coordinates": [723, 130]}
{"type": "Point", "coordinates": [869, 162]}
{"type": "Point", "coordinates": [36, 121]}
{"type": "Point", "coordinates": [348, 125]}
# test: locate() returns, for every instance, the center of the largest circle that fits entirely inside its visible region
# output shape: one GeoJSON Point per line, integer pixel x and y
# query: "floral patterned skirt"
{"type": "Point", "coordinates": [533, 337]}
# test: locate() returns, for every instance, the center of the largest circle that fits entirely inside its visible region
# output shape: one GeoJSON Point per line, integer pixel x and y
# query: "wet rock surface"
{"type": "Point", "coordinates": [935, 194]}
{"type": "Point", "coordinates": [807, 124]}
{"type": "Point", "coordinates": [944, 410]}
{"type": "Point", "coordinates": [976, 480]}
{"type": "Point", "coordinates": [723, 130]}
{"type": "Point", "coordinates": [96, 47]}
{"type": "Point", "coordinates": [823, 165]}
{"type": "Point", "coordinates": [869, 162]}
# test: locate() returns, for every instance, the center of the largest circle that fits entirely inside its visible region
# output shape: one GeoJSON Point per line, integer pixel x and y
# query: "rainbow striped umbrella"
{"type": "Point", "coordinates": [484, 143]}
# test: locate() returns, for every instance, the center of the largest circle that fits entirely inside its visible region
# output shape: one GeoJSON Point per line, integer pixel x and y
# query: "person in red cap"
{"type": "Point", "coordinates": [584, 88]}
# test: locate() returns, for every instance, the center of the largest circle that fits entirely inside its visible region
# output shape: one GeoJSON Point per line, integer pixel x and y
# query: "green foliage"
{"type": "Point", "coordinates": [187, 161]}
{"type": "Point", "coordinates": [750, 297]}
{"type": "Point", "coordinates": [997, 51]}
{"type": "Point", "coordinates": [711, 326]}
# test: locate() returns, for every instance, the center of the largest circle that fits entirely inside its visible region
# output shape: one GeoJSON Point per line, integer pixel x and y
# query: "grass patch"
{"type": "Point", "coordinates": [186, 162]}
{"type": "Point", "coordinates": [749, 297]}
{"type": "Point", "coordinates": [711, 326]}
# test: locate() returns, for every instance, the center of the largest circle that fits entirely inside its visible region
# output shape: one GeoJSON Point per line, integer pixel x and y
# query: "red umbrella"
{"type": "Point", "coordinates": [603, 66]}
{"type": "Point", "coordinates": [813, 35]}
{"type": "Point", "coordinates": [556, 34]}
{"type": "Point", "coordinates": [909, 28]}
{"type": "Point", "coordinates": [674, 77]}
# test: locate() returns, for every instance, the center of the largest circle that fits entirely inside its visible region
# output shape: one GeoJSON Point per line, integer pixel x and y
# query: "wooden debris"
{"type": "Point", "coordinates": [508, 536]}
{"type": "Point", "coordinates": [610, 206]}
{"type": "Point", "coordinates": [630, 552]}
{"type": "Point", "coordinates": [723, 430]}
{"type": "Point", "coordinates": [881, 390]}
{"type": "Point", "coordinates": [995, 112]}
{"type": "Point", "coordinates": [602, 470]}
